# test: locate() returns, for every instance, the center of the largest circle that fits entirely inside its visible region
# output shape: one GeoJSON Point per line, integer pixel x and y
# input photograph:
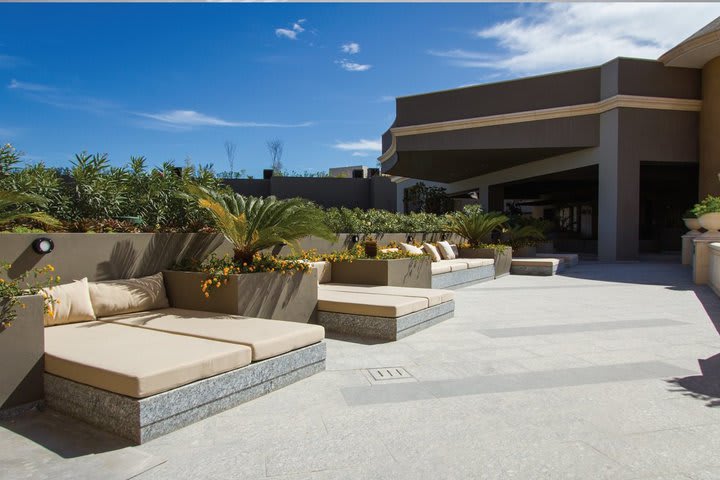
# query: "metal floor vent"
{"type": "Point", "coordinates": [389, 373]}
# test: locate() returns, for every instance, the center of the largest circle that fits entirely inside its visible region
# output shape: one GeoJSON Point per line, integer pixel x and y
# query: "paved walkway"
{"type": "Point", "coordinates": [588, 375]}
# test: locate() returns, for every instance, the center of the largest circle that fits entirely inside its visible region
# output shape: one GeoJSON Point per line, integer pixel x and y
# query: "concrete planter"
{"type": "Point", "coordinates": [692, 224]}
{"type": "Point", "coordinates": [711, 223]}
{"type": "Point", "coordinates": [22, 347]}
{"type": "Point", "coordinates": [526, 251]}
{"type": "Point", "coordinates": [502, 257]}
{"type": "Point", "coordinates": [263, 295]}
{"type": "Point", "coordinates": [399, 272]}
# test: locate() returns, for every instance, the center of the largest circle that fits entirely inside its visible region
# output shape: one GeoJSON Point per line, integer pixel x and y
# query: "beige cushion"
{"type": "Point", "coordinates": [72, 303]}
{"type": "Point", "coordinates": [456, 265]}
{"type": "Point", "coordinates": [411, 249]}
{"type": "Point", "coordinates": [440, 267]}
{"type": "Point", "coordinates": [477, 262]}
{"type": "Point", "coordinates": [433, 296]}
{"type": "Point", "coordinates": [352, 303]}
{"type": "Point", "coordinates": [324, 271]}
{"type": "Point", "coordinates": [432, 251]}
{"type": "Point", "coordinates": [446, 250]}
{"type": "Point", "coordinates": [127, 296]}
{"type": "Point", "coordinates": [266, 338]}
{"type": "Point", "coordinates": [136, 362]}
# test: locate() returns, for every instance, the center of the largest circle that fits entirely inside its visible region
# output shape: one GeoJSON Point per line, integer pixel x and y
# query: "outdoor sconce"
{"type": "Point", "coordinates": [410, 239]}
{"type": "Point", "coordinates": [43, 245]}
{"type": "Point", "coordinates": [443, 236]}
{"type": "Point", "coordinates": [355, 238]}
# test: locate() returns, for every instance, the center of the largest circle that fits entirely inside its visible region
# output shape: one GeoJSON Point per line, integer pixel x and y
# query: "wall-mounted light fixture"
{"type": "Point", "coordinates": [355, 238]}
{"type": "Point", "coordinates": [43, 245]}
{"type": "Point", "coordinates": [410, 239]}
{"type": "Point", "coordinates": [443, 236]}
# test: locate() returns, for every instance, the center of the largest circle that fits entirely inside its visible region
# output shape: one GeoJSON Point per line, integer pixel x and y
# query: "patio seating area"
{"type": "Point", "coordinates": [514, 389]}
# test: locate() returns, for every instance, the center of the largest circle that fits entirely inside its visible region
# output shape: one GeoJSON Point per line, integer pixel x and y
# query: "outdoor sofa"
{"type": "Point", "coordinates": [378, 311]}
{"type": "Point", "coordinates": [118, 356]}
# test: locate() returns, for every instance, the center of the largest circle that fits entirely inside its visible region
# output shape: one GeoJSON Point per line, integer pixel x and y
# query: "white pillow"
{"type": "Point", "coordinates": [128, 296]}
{"type": "Point", "coordinates": [446, 250]}
{"type": "Point", "coordinates": [432, 251]}
{"type": "Point", "coordinates": [411, 249]}
{"type": "Point", "coordinates": [72, 303]}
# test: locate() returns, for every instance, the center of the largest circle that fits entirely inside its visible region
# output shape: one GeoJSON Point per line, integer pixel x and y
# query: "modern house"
{"type": "Point", "coordinates": [615, 152]}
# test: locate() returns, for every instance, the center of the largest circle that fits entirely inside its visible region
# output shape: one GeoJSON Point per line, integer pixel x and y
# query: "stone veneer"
{"type": "Point", "coordinates": [463, 278]}
{"type": "Point", "coordinates": [141, 420]}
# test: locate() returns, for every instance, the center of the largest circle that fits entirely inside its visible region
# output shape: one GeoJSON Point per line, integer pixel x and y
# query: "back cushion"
{"type": "Point", "coordinates": [128, 296]}
{"type": "Point", "coordinates": [71, 303]}
{"type": "Point", "coordinates": [411, 249]}
{"type": "Point", "coordinates": [446, 250]}
{"type": "Point", "coordinates": [432, 251]}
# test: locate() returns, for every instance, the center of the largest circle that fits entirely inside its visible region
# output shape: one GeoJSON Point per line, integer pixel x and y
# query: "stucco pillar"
{"type": "Point", "coordinates": [710, 130]}
{"type": "Point", "coordinates": [618, 194]}
{"type": "Point", "coordinates": [496, 198]}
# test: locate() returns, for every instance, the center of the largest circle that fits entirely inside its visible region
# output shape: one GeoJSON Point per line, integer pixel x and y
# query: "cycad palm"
{"type": "Point", "coordinates": [475, 226]}
{"type": "Point", "coordinates": [253, 224]}
{"type": "Point", "coordinates": [518, 236]}
{"type": "Point", "coordinates": [12, 205]}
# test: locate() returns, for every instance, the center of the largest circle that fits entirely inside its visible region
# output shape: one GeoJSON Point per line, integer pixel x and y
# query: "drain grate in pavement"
{"type": "Point", "coordinates": [389, 373]}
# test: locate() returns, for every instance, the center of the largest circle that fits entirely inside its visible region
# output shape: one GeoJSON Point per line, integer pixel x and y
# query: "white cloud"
{"type": "Point", "coordinates": [291, 33]}
{"type": "Point", "coordinates": [351, 48]}
{"type": "Point", "coordinates": [352, 66]}
{"type": "Point", "coordinates": [386, 98]}
{"type": "Point", "coordinates": [371, 145]}
{"type": "Point", "coordinates": [360, 154]}
{"type": "Point", "coordinates": [560, 36]}
{"type": "Point", "coordinates": [187, 119]}
{"type": "Point", "coordinates": [29, 87]}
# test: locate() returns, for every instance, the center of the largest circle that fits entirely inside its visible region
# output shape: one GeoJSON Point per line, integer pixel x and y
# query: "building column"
{"type": "Point", "coordinates": [708, 183]}
{"type": "Point", "coordinates": [618, 195]}
{"type": "Point", "coordinates": [496, 198]}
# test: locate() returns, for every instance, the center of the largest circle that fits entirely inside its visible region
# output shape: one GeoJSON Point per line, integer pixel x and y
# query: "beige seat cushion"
{"type": "Point", "coordinates": [134, 361]}
{"type": "Point", "coordinates": [433, 296]}
{"type": "Point", "coordinates": [432, 251]}
{"type": "Point", "coordinates": [352, 303]}
{"type": "Point", "coordinates": [411, 249]}
{"type": "Point", "coordinates": [266, 338]}
{"type": "Point", "coordinates": [130, 295]}
{"type": "Point", "coordinates": [72, 303]}
{"type": "Point", "coordinates": [440, 267]}
{"type": "Point", "coordinates": [446, 250]}
{"type": "Point", "coordinates": [478, 262]}
{"type": "Point", "coordinates": [535, 262]}
{"type": "Point", "coordinates": [456, 265]}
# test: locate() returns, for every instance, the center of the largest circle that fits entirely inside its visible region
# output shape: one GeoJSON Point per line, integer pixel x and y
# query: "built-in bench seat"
{"type": "Point", "coordinates": [535, 266]}
{"type": "Point", "coordinates": [568, 259]}
{"type": "Point", "coordinates": [378, 311]}
{"type": "Point", "coordinates": [142, 374]}
{"type": "Point", "coordinates": [462, 272]}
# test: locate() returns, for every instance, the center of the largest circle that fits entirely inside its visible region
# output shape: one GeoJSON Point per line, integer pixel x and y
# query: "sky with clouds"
{"type": "Point", "coordinates": [177, 81]}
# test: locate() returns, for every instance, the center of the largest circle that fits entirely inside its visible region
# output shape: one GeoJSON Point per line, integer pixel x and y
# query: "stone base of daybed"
{"type": "Point", "coordinates": [141, 420]}
{"type": "Point", "coordinates": [463, 278]}
{"type": "Point", "coordinates": [384, 328]}
{"type": "Point", "coordinates": [543, 267]}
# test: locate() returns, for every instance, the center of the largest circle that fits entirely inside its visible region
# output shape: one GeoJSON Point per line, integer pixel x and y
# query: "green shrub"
{"type": "Point", "coordinates": [710, 204]}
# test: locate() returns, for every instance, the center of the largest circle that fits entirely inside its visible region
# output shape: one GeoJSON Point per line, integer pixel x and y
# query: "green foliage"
{"type": "Point", "coordinates": [14, 207]}
{"type": "Point", "coordinates": [518, 236]}
{"type": "Point", "coordinates": [253, 224]}
{"type": "Point", "coordinates": [421, 198]}
{"type": "Point", "coordinates": [710, 204]}
{"type": "Point", "coordinates": [345, 220]}
{"type": "Point", "coordinates": [27, 283]}
{"type": "Point", "coordinates": [474, 225]}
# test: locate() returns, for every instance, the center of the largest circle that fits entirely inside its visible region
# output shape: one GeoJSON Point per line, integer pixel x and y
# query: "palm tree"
{"type": "Point", "coordinates": [518, 236]}
{"type": "Point", "coordinates": [253, 224]}
{"type": "Point", "coordinates": [474, 225]}
{"type": "Point", "coordinates": [12, 205]}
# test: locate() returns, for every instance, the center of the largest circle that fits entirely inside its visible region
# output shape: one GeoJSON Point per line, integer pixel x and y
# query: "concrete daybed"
{"type": "Point", "coordinates": [536, 266]}
{"type": "Point", "coordinates": [462, 271]}
{"type": "Point", "coordinates": [376, 311]}
{"type": "Point", "coordinates": [145, 373]}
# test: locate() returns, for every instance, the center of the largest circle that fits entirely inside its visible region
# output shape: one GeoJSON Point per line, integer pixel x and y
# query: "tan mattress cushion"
{"type": "Point", "coordinates": [446, 250]}
{"type": "Point", "coordinates": [478, 262]}
{"type": "Point", "coordinates": [432, 251]}
{"type": "Point", "coordinates": [266, 338]}
{"type": "Point", "coordinates": [456, 265]}
{"type": "Point", "coordinates": [71, 303]}
{"type": "Point", "coordinates": [134, 361]}
{"type": "Point", "coordinates": [433, 296]}
{"type": "Point", "coordinates": [440, 267]}
{"type": "Point", "coordinates": [390, 306]}
{"type": "Point", "coordinates": [130, 295]}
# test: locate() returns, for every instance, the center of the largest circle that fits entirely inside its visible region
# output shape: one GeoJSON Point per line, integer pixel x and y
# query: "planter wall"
{"type": "Point", "coordinates": [108, 256]}
{"type": "Point", "coordinates": [262, 295]}
{"type": "Point", "coordinates": [400, 272]}
{"type": "Point", "coordinates": [503, 258]}
{"type": "Point", "coordinates": [526, 252]}
{"type": "Point", "coordinates": [22, 346]}
{"type": "Point", "coordinates": [344, 241]}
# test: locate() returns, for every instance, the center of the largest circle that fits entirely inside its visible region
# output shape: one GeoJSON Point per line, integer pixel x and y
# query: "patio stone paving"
{"type": "Point", "coordinates": [591, 374]}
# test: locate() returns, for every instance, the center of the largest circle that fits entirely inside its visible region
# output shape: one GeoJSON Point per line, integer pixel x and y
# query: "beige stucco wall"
{"type": "Point", "coordinates": [710, 130]}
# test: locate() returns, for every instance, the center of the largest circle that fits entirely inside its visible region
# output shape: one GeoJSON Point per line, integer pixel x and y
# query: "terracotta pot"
{"type": "Point", "coordinates": [710, 222]}
{"type": "Point", "coordinates": [371, 249]}
{"type": "Point", "coordinates": [692, 224]}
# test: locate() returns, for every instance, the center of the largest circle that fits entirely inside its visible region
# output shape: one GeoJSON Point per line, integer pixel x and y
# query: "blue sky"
{"type": "Point", "coordinates": [171, 81]}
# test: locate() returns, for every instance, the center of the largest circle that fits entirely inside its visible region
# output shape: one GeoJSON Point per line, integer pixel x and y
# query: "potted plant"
{"type": "Point", "coordinates": [691, 222]}
{"type": "Point", "coordinates": [371, 249]}
{"type": "Point", "coordinates": [708, 215]}
{"type": "Point", "coordinates": [523, 238]}
{"type": "Point", "coordinates": [22, 341]}
{"type": "Point", "coordinates": [250, 282]}
{"type": "Point", "coordinates": [477, 228]}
